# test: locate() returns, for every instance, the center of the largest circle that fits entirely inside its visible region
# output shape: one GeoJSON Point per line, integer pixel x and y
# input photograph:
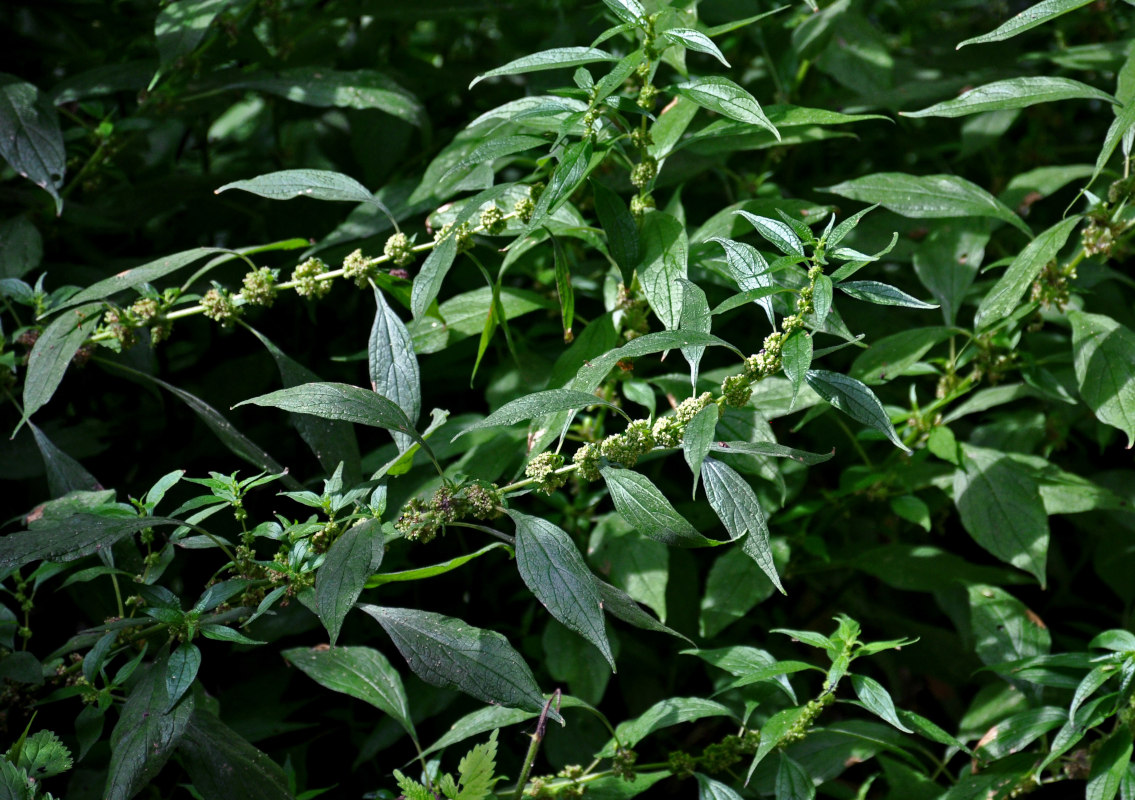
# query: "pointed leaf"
{"type": "Point", "coordinates": [619, 604]}
{"type": "Point", "coordinates": [361, 672]}
{"type": "Point", "coordinates": [643, 506]}
{"type": "Point", "coordinates": [556, 58]}
{"type": "Point", "coordinates": [70, 538]}
{"type": "Point", "coordinates": [64, 474]}
{"type": "Point", "coordinates": [663, 714]}
{"type": "Point", "coordinates": [1103, 352]}
{"type": "Point", "coordinates": [181, 671]}
{"type": "Point", "coordinates": [728, 99]}
{"type": "Point", "coordinates": [792, 782]}
{"type": "Point", "coordinates": [694, 317]}
{"type": "Point", "coordinates": [877, 700]}
{"type": "Point", "coordinates": [928, 197]}
{"type": "Point", "coordinates": [52, 354]}
{"type": "Point", "coordinates": [340, 579]}
{"type": "Point", "coordinates": [180, 27]}
{"type": "Point", "coordinates": [31, 140]}
{"type": "Point", "coordinates": [1006, 294]}
{"type": "Point", "coordinates": [734, 586]}
{"type": "Point", "coordinates": [446, 652]}
{"type": "Point", "coordinates": [771, 449]}
{"type": "Point", "coordinates": [1000, 506]}
{"type": "Point", "coordinates": [1012, 93]}
{"type": "Point", "coordinates": [694, 40]}
{"type": "Point", "coordinates": [434, 569]}
{"type": "Point", "coordinates": [564, 289]}
{"type": "Point", "coordinates": [327, 88]}
{"type": "Point", "coordinates": [1026, 20]}
{"type": "Point", "coordinates": [709, 789]}
{"type": "Point", "coordinates": [146, 273]}
{"type": "Point", "coordinates": [619, 225]}
{"type": "Point", "coordinates": [854, 399]}
{"type": "Point", "coordinates": [777, 233]}
{"type": "Point", "coordinates": [393, 365]}
{"type": "Point", "coordinates": [553, 569]}
{"type": "Point", "coordinates": [796, 359]}
{"type": "Point", "coordinates": [664, 261]}
{"type": "Point", "coordinates": [629, 11]}
{"type": "Point", "coordinates": [882, 294]}
{"type": "Point", "coordinates": [772, 733]}
{"type": "Point", "coordinates": [536, 405]}
{"type": "Point", "coordinates": [223, 765]}
{"type": "Point", "coordinates": [698, 438]}
{"type": "Point", "coordinates": [569, 174]}
{"type": "Point", "coordinates": [1003, 628]}
{"type": "Point", "coordinates": [740, 512]}
{"type": "Point", "coordinates": [1109, 766]}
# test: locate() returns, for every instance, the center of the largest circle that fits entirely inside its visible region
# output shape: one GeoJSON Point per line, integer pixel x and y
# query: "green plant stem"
{"type": "Point", "coordinates": [534, 746]}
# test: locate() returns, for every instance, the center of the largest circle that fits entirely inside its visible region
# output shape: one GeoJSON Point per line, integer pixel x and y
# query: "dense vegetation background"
{"type": "Point", "coordinates": [949, 463]}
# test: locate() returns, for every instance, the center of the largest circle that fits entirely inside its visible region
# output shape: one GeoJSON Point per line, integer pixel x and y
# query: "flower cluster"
{"type": "Point", "coordinates": [399, 249]}
{"type": "Point", "coordinates": [306, 279]}
{"type": "Point", "coordinates": [542, 469]}
{"type": "Point", "coordinates": [422, 520]}
{"type": "Point", "coordinates": [260, 287]}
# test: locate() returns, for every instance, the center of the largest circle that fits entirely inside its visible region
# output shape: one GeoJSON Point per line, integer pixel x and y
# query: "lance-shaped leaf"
{"type": "Point", "coordinates": [796, 359]}
{"type": "Point", "coordinates": [1111, 767]}
{"type": "Point", "coordinates": [698, 438]}
{"type": "Point", "coordinates": [693, 317]}
{"type": "Point", "coordinates": [64, 474]}
{"type": "Point", "coordinates": [882, 294]}
{"type": "Point", "coordinates": [495, 148]}
{"type": "Point", "coordinates": [434, 569]}
{"type": "Point", "coordinates": [554, 570]}
{"type": "Point", "coordinates": [318, 184]}
{"type": "Point", "coordinates": [664, 261]}
{"type": "Point", "coordinates": [877, 700]}
{"type": "Point", "coordinates": [340, 579]}
{"type": "Point", "coordinates": [853, 398]}
{"type": "Point", "coordinates": [771, 449]}
{"type": "Point", "coordinates": [52, 354]}
{"type": "Point", "coordinates": [539, 403]}
{"type": "Point", "coordinates": [1103, 352]}
{"type": "Point", "coordinates": [147, 273]}
{"type": "Point", "coordinates": [70, 538]}
{"type": "Point", "coordinates": [736, 504]}
{"type": "Point", "coordinates": [750, 271]}
{"type": "Point", "coordinates": [222, 764]}
{"type": "Point", "coordinates": [446, 652]}
{"type": "Point", "coordinates": [629, 11]}
{"type": "Point", "coordinates": [1012, 93]}
{"type": "Point", "coordinates": [340, 401]}
{"type": "Point", "coordinates": [556, 58]}
{"type": "Point", "coordinates": [325, 88]}
{"type": "Point", "coordinates": [393, 366]}
{"type": "Point", "coordinates": [728, 99]}
{"type": "Point", "coordinates": [619, 604]}
{"type": "Point", "coordinates": [1000, 506]}
{"type": "Point", "coordinates": [592, 373]}
{"type": "Point", "coordinates": [361, 672]}
{"type": "Point", "coordinates": [663, 714]}
{"type": "Point", "coordinates": [31, 140]}
{"type": "Point", "coordinates": [779, 234]}
{"type": "Point", "coordinates": [1006, 294]}
{"type": "Point", "coordinates": [928, 197]}
{"type": "Point", "coordinates": [569, 174]}
{"type": "Point", "coordinates": [619, 225]}
{"type": "Point", "coordinates": [641, 504]}
{"type": "Point", "coordinates": [181, 25]}
{"type": "Point", "coordinates": [694, 40]}
{"type": "Point", "coordinates": [181, 671]}
{"type": "Point", "coordinates": [1118, 131]}
{"type": "Point", "coordinates": [1028, 19]}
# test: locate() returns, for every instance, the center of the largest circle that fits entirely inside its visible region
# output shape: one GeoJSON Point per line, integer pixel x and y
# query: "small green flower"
{"type": "Point", "coordinates": [306, 276]}
{"type": "Point", "coordinates": [260, 287]}
{"type": "Point", "coordinates": [357, 268]}
{"type": "Point", "coordinates": [736, 389]}
{"type": "Point", "coordinates": [543, 468]}
{"type": "Point", "coordinates": [399, 249]}
{"type": "Point", "coordinates": [644, 172]}
{"type": "Point", "coordinates": [144, 309]}
{"type": "Point", "coordinates": [492, 220]}
{"type": "Point", "coordinates": [640, 204]}
{"type": "Point", "coordinates": [588, 461]}
{"type": "Point", "coordinates": [646, 97]}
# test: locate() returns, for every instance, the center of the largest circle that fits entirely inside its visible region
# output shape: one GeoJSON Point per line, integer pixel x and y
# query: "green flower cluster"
{"type": "Point", "coordinates": [422, 520]}
{"type": "Point", "coordinates": [542, 469]}
{"type": "Point", "coordinates": [306, 279]}
{"type": "Point", "coordinates": [260, 287]}
{"type": "Point", "coordinates": [357, 268]}
{"type": "Point", "coordinates": [399, 249]}
{"type": "Point", "coordinates": [492, 220]}
{"type": "Point", "coordinates": [219, 306]}
{"type": "Point", "coordinates": [628, 447]}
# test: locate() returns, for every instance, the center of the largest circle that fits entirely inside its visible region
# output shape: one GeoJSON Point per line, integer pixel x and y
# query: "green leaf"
{"type": "Point", "coordinates": [1119, 129]}
{"type": "Point", "coordinates": [694, 40]}
{"type": "Point", "coordinates": [638, 566]}
{"type": "Point", "coordinates": [629, 11]}
{"type": "Point", "coordinates": [43, 755]}
{"type": "Point", "coordinates": [483, 719]}
{"type": "Point", "coordinates": [477, 769]}
{"type": "Point", "coordinates": [592, 373]}
{"type": "Point", "coordinates": [564, 288]}
{"type": "Point", "coordinates": [223, 765]}
{"type": "Point", "coordinates": [854, 399]}
{"type": "Point", "coordinates": [569, 174]}
{"type": "Point", "coordinates": [752, 665]}
{"type": "Point", "coordinates": [619, 604]}
{"type": "Point", "coordinates": [750, 271]}
{"type": "Point", "coordinates": [1006, 294]}
{"type": "Point", "coordinates": [1003, 628]}
{"type": "Point", "coordinates": [31, 140]}
{"type": "Point", "coordinates": [64, 474]}
{"type": "Point", "coordinates": [947, 261]}
{"type": "Point", "coordinates": [1000, 506]}
{"type": "Point", "coordinates": [665, 255]}
{"type": "Point", "coordinates": [495, 148]}
{"type": "Point", "coordinates": [619, 225]}
{"type": "Point", "coordinates": [181, 671]}
{"type": "Point", "coordinates": [433, 570]}
{"type": "Point", "coordinates": [182, 25]}
{"type": "Point", "coordinates": [709, 789]}
{"type": "Point", "coordinates": [427, 283]}
{"type": "Point", "coordinates": [928, 197]}
{"type": "Point", "coordinates": [1012, 93]}
{"type": "Point", "coordinates": [361, 672]}
{"type": "Point", "coordinates": [222, 634]}
{"type": "Point", "coordinates": [796, 359]}
{"type": "Point", "coordinates": [697, 439]}
{"type": "Point", "coordinates": [877, 700]}
{"type": "Point", "coordinates": [145, 735]}
{"type": "Point", "coordinates": [643, 506]}
{"type": "Point", "coordinates": [734, 586]}
{"type": "Point", "coordinates": [328, 88]}
{"type": "Point", "coordinates": [777, 233]}
{"type": "Point", "coordinates": [1103, 351]}
{"type": "Point", "coordinates": [1018, 731]}
{"type": "Point", "coordinates": [332, 441]}
{"type": "Point", "coordinates": [792, 782]}
{"type": "Point", "coordinates": [1026, 20]}
{"type": "Point", "coordinates": [70, 538]}
{"type": "Point", "coordinates": [555, 58]}
{"type": "Point", "coordinates": [882, 294]}
{"type": "Point", "coordinates": [663, 714]}
{"type": "Point", "coordinates": [694, 316]}
{"type": "Point", "coordinates": [393, 366]}
{"type": "Point", "coordinates": [318, 184]}
{"type": "Point", "coordinates": [340, 401]}
{"type": "Point", "coordinates": [773, 732]}
{"type": "Point", "coordinates": [538, 404]}
{"type": "Point", "coordinates": [737, 506]}
{"type": "Point", "coordinates": [728, 99]}
{"type": "Point", "coordinates": [891, 356]}
{"type": "Point", "coordinates": [340, 579]}
{"type": "Point", "coordinates": [771, 449]}
{"type": "Point", "coordinates": [53, 352]}
{"type": "Point", "coordinates": [553, 569]}
{"type": "Point", "coordinates": [1109, 766]}
{"type": "Point", "coordinates": [446, 652]}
